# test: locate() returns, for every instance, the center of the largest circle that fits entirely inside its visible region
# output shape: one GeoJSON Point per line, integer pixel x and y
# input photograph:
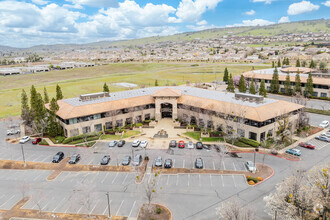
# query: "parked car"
{"type": "Point", "coordinates": [293, 151]}
{"type": "Point", "coordinates": [323, 138]}
{"type": "Point", "coordinates": [190, 145]}
{"type": "Point", "coordinates": [144, 143]}
{"type": "Point", "coordinates": [10, 132]}
{"type": "Point", "coordinates": [199, 163]}
{"type": "Point", "coordinates": [168, 163]}
{"type": "Point", "coordinates": [327, 134]}
{"type": "Point", "coordinates": [181, 144]}
{"type": "Point", "coordinates": [112, 143]}
{"type": "Point", "coordinates": [36, 140]}
{"type": "Point", "coordinates": [207, 147]}
{"type": "Point", "coordinates": [250, 166]}
{"type": "Point", "coordinates": [105, 160]}
{"type": "Point", "coordinates": [121, 143]}
{"type": "Point", "coordinates": [172, 143]}
{"type": "Point", "coordinates": [159, 161]}
{"type": "Point", "coordinates": [126, 161]}
{"type": "Point", "coordinates": [307, 145]}
{"type": "Point", "coordinates": [136, 143]}
{"type": "Point", "coordinates": [74, 159]}
{"type": "Point", "coordinates": [199, 145]}
{"type": "Point", "coordinates": [137, 160]}
{"type": "Point", "coordinates": [58, 157]}
{"type": "Point", "coordinates": [24, 139]}
{"type": "Point", "coordinates": [324, 124]}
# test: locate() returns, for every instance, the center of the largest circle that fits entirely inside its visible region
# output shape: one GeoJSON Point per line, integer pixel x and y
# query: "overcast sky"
{"type": "Point", "coordinates": [26, 23]}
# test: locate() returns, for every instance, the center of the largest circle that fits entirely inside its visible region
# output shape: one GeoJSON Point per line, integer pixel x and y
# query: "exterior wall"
{"type": "Point", "coordinates": [159, 101]}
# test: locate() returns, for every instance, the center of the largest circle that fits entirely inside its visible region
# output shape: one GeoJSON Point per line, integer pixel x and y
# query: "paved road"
{"type": "Point", "coordinates": [312, 103]}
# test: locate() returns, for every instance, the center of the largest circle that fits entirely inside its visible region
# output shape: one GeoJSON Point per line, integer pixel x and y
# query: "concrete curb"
{"type": "Point", "coordinates": [298, 159]}
{"type": "Point", "coordinates": [61, 146]}
{"type": "Point", "coordinates": [266, 177]}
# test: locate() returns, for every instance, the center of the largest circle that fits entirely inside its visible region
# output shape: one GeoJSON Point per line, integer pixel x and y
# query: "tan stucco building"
{"type": "Point", "coordinates": [249, 116]}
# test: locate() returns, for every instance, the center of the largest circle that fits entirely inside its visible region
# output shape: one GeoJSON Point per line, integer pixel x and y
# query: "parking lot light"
{"type": "Point", "coordinates": [23, 155]}
{"type": "Point", "coordinates": [109, 215]}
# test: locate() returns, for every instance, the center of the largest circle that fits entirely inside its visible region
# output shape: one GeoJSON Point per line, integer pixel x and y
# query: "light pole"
{"type": "Point", "coordinates": [23, 154]}
{"type": "Point", "coordinates": [109, 215]}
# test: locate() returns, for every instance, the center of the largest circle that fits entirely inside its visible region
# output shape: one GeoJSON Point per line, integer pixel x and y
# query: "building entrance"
{"type": "Point", "coordinates": [166, 110]}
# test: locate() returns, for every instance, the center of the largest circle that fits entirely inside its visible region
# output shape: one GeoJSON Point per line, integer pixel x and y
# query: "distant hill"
{"type": "Point", "coordinates": [270, 30]}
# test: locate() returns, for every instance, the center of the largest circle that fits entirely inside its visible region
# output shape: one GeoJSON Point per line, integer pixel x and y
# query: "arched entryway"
{"type": "Point", "coordinates": [166, 110]}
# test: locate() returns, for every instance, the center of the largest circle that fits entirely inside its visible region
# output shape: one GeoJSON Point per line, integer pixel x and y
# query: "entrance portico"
{"type": "Point", "coordinates": [166, 102]}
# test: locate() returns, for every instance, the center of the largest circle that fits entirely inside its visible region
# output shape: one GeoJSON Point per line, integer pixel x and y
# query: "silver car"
{"type": "Point", "coordinates": [137, 160]}
{"type": "Point", "coordinates": [190, 145]}
{"type": "Point", "coordinates": [159, 161]}
{"type": "Point", "coordinates": [112, 143]}
{"type": "Point", "coordinates": [250, 166]}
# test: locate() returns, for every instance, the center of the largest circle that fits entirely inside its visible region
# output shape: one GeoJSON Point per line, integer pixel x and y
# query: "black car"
{"type": "Point", "coordinates": [105, 160]}
{"type": "Point", "coordinates": [58, 157]}
{"type": "Point", "coordinates": [168, 163]}
{"type": "Point", "coordinates": [199, 163]}
{"type": "Point", "coordinates": [126, 161]}
{"type": "Point", "coordinates": [199, 145]}
{"type": "Point", "coordinates": [74, 159]}
{"type": "Point", "coordinates": [173, 143]}
{"type": "Point", "coordinates": [121, 143]}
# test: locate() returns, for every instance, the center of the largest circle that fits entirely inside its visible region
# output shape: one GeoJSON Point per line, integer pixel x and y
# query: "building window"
{"type": "Point", "coordinates": [128, 121]}
{"type": "Point", "coordinates": [229, 129]}
{"type": "Point", "coordinates": [315, 94]}
{"type": "Point", "coordinates": [73, 121]}
{"type": "Point", "coordinates": [282, 89]}
{"type": "Point", "coordinates": [262, 136]}
{"type": "Point", "coordinates": [147, 117]}
{"type": "Point", "coordinates": [98, 127]}
{"type": "Point", "coordinates": [323, 94]}
{"type": "Point", "coordinates": [270, 133]}
{"type": "Point", "coordinates": [138, 119]}
{"type": "Point", "coordinates": [241, 132]}
{"type": "Point", "coordinates": [97, 116]}
{"type": "Point", "coordinates": [268, 88]}
{"type": "Point", "coordinates": [86, 129]}
{"type": "Point", "coordinates": [201, 123]}
{"type": "Point", "coordinates": [108, 125]}
{"type": "Point", "coordinates": [252, 136]}
{"type": "Point", "coordinates": [209, 124]}
{"type": "Point", "coordinates": [74, 132]}
{"type": "Point", "coordinates": [119, 123]}
{"type": "Point", "coordinates": [65, 132]}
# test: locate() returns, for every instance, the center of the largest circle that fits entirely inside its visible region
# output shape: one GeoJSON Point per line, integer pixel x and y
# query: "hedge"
{"type": "Point", "coordinates": [318, 111]}
{"type": "Point", "coordinates": [82, 140]}
{"type": "Point", "coordinates": [43, 142]}
{"type": "Point", "coordinates": [249, 178]}
{"type": "Point", "coordinates": [250, 142]}
{"type": "Point", "coordinates": [79, 137]}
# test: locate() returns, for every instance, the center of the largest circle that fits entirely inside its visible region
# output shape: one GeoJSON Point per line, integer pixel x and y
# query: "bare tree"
{"type": "Point", "coordinates": [223, 151]}
{"type": "Point", "coordinates": [233, 210]}
{"type": "Point", "coordinates": [40, 126]}
{"type": "Point", "coordinates": [303, 118]}
{"type": "Point", "coordinates": [87, 195]}
{"type": "Point", "coordinates": [23, 187]}
{"type": "Point", "coordinates": [150, 191]}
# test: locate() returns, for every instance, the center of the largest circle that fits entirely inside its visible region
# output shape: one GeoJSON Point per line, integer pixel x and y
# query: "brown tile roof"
{"type": "Point", "coordinates": [167, 92]}
{"type": "Point", "coordinates": [303, 79]}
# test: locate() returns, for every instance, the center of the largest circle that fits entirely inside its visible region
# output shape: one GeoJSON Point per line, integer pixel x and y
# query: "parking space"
{"type": "Point", "coordinates": [25, 175]}
{"type": "Point", "coordinates": [319, 144]}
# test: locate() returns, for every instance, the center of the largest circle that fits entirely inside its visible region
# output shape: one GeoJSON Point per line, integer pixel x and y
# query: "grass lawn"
{"type": "Point", "coordinates": [127, 134]}
{"type": "Point", "coordinates": [89, 80]}
{"type": "Point", "coordinates": [197, 135]}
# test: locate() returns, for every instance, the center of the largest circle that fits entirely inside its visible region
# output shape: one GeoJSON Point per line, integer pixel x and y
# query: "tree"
{"type": "Point", "coordinates": [241, 85]}
{"type": "Point", "coordinates": [156, 82]}
{"type": "Point", "coordinates": [54, 128]}
{"type": "Point", "coordinates": [287, 61]}
{"type": "Point", "coordinates": [322, 65]}
{"type": "Point", "coordinates": [46, 97]}
{"type": "Point", "coordinates": [25, 110]}
{"type": "Point", "coordinates": [275, 84]}
{"type": "Point", "coordinates": [59, 94]}
{"type": "Point", "coordinates": [262, 89]}
{"type": "Point", "coordinates": [312, 64]}
{"type": "Point", "coordinates": [297, 84]}
{"type": "Point", "coordinates": [273, 64]}
{"type": "Point", "coordinates": [105, 88]}
{"type": "Point", "coordinates": [225, 75]}
{"type": "Point", "coordinates": [230, 87]}
{"type": "Point", "coordinates": [279, 62]}
{"type": "Point", "coordinates": [252, 89]}
{"type": "Point", "coordinates": [298, 63]}
{"type": "Point", "coordinates": [233, 210]}
{"type": "Point", "coordinates": [304, 63]}
{"type": "Point", "coordinates": [309, 86]}
{"type": "Point", "coordinates": [287, 85]}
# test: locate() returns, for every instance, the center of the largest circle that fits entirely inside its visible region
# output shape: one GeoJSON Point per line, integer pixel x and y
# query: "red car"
{"type": "Point", "coordinates": [36, 140]}
{"type": "Point", "coordinates": [307, 145]}
{"type": "Point", "coordinates": [181, 144]}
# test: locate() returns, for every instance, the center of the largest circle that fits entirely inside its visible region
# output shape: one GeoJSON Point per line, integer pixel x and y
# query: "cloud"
{"type": "Point", "coordinates": [302, 7]}
{"type": "Point", "coordinates": [203, 22]}
{"type": "Point", "coordinates": [251, 12]}
{"type": "Point", "coordinates": [39, 2]}
{"type": "Point", "coordinates": [255, 22]}
{"type": "Point", "coordinates": [72, 6]}
{"type": "Point", "coordinates": [95, 3]}
{"type": "Point", "coordinates": [284, 20]}
{"type": "Point", "coordinates": [192, 11]}
{"type": "Point", "coordinates": [327, 3]}
{"type": "Point", "coordinates": [266, 1]}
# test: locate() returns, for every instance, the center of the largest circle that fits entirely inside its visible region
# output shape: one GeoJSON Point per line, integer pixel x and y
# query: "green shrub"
{"type": "Point", "coordinates": [252, 178]}
{"type": "Point", "coordinates": [147, 121]}
{"type": "Point", "coordinates": [79, 137]}
{"type": "Point", "coordinates": [250, 142]}
{"type": "Point", "coordinates": [43, 142]}
{"type": "Point", "coordinates": [159, 210]}
{"type": "Point", "coordinates": [59, 139]}
{"type": "Point", "coordinates": [82, 140]}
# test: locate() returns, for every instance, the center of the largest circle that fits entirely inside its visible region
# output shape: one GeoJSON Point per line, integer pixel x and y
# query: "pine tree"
{"type": "Point", "coordinates": [156, 82]}
{"type": "Point", "coordinates": [39, 108]}
{"type": "Point", "coordinates": [262, 89]}
{"type": "Point", "coordinates": [105, 88]}
{"type": "Point", "coordinates": [279, 63]}
{"type": "Point", "coordinates": [241, 85]}
{"type": "Point", "coordinates": [275, 84]}
{"type": "Point", "coordinates": [297, 83]}
{"type": "Point", "coordinates": [54, 106]}
{"type": "Point", "coordinates": [312, 64]}
{"type": "Point", "coordinates": [230, 87]}
{"type": "Point", "coordinates": [252, 89]}
{"type": "Point", "coordinates": [273, 64]}
{"type": "Point", "coordinates": [46, 97]}
{"type": "Point", "coordinates": [298, 63]}
{"type": "Point", "coordinates": [287, 61]}
{"type": "Point", "coordinates": [304, 63]}
{"type": "Point", "coordinates": [225, 75]}
{"type": "Point", "coordinates": [25, 110]}
{"type": "Point", "coordinates": [287, 85]}
{"type": "Point", "coordinates": [59, 94]}
{"type": "Point", "coordinates": [309, 91]}
{"type": "Point", "coordinates": [54, 128]}
{"type": "Point", "coordinates": [33, 102]}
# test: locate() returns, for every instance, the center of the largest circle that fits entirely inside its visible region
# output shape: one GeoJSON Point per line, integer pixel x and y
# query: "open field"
{"type": "Point", "coordinates": [88, 80]}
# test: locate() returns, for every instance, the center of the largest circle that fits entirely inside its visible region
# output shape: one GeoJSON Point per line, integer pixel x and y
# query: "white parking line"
{"type": "Point", "coordinates": [114, 178]}
{"type": "Point", "coordinates": [223, 184]}
{"type": "Point", "coordinates": [173, 162]}
{"type": "Point", "coordinates": [183, 164]}
{"type": "Point", "coordinates": [104, 178]}
{"type": "Point", "coordinates": [64, 198]}
{"type": "Point", "coordinates": [223, 163]}
{"type": "Point", "coordinates": [130, 213]}
{"type": "Point", "coordinates": [106, 208]}
{"type": "Point", "coordinates": [91, 161]}
{"type": "Point", "coordinates": [211, 180]}
{"type": "Point", "coordinates": [245, 167]}
{"type": "Point", "coordinates": [119, 207]}
{"type": "Point", "coordinates": [80, 208]}
{"type": "Point", "coordinates": [188, 178]}
{"type": "Point", "coordinates": [168, 177]}
{"type": "Point", "coordinates": [46, 204]}
{"type": "Point", "coordinates": [199, 179]}
{"type": "Point", "coordinates": [35, 178]}
{"type": "Point", "coordinates": [93, 208]}
{"type": "Point", "coordinates": [124, 179]}
{"type": "Point", "coordinates": [46, 158]}
{"type": "Point", "coordinates": [234, 180]}
{"type": "Point", "coordinates": [213, 165]}
{"type": "Point", "coordinates": [7, 201]}
{"type": "Point", "coordinates": [234, 166]}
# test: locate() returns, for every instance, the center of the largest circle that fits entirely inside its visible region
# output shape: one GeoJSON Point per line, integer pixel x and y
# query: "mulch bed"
{"type": "Point", "coordinates": [142, 169]}
{"type": "Point", "coordinates": [145, 214]}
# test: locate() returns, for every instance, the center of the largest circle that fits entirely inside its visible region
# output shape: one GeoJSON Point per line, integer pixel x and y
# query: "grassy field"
{"type": "Point", "coordinates": [88, 80]}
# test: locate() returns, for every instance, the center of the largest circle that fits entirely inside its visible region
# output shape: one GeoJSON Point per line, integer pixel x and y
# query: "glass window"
{"type": "Point", "coordinates": [119, 123]}
{"type": "Point", "coordinates": [252, 136]}
{"type": "Point", "coordinates": [315, 94]}
{"type": "Point", "coordinates": [74, 132]}
{"type": "Point", "coordinates": [323, 94]}
{"type": "Point", "coordinates": [98, 127]}
{"type": "Point", "coordinates": [97, 116]}
{"type": "Point", "coordinates": [147, 117]}
{"type": "Point", "coordinates": [73, 121]}
{"type": "Point", "coordinates": [108, 125]}
{"type": "Point", "coordinates": [86, 129]}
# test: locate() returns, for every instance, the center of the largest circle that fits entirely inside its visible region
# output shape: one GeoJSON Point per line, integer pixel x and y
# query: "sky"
{"type": "Point", "coordinates": [25, 23]}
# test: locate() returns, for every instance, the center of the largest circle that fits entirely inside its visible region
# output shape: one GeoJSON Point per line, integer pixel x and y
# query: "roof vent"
{"type": "Point", "coordinates": [249, 97]}
{"type": "Point", "coordinates": [93, 96]}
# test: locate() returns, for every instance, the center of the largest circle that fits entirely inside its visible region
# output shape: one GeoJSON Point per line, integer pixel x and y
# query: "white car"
{"type": "Point", "coordinates": [190, 145]}
{"type": "Point", "coordinates": [24, 139]}
{"type": "Point", "coordinates": [10, 132]}
{"type": "Point", "coordinates": [327, 134]}
{"type": "Point", "coordinates": [250, 166]}
{"type": "Point", "coordinates": [144, 143]}
{"type": "Point", "coordinates": [324, 124]}
{"type": "Point", "coordinates": [136, 143]}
